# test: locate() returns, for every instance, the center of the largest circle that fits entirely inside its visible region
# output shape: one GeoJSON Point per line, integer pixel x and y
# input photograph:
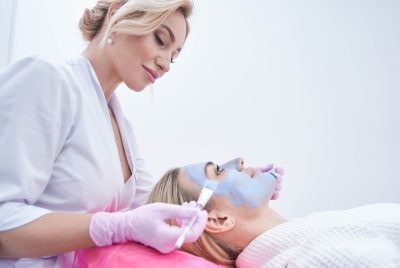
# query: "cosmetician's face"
{"type": "Point", "coordinates": [140, 60]}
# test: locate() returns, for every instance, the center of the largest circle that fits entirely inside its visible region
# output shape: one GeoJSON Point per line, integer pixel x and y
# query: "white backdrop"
{"type": "Point", "coordinates": [313, 86]}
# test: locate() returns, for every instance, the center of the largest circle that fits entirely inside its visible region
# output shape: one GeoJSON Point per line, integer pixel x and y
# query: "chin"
{"type": "Point", "coordinates": [136, 88]}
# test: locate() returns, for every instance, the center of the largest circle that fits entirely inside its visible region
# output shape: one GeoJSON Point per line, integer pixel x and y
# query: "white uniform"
{"type": "Point", "coordinates": [57, 148]}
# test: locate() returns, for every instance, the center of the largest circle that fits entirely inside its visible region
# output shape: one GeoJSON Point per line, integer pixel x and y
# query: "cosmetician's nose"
{"type": "Point", "coordinates": [163, 63]}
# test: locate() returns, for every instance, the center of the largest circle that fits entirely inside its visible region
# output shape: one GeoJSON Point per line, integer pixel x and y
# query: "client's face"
{"type": "Point", "coordinates": [240, 205]}
{"type": "Point", "coordinates": [242, 186]}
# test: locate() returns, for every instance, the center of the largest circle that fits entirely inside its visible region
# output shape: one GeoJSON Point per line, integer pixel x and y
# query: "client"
{"type": "Point", "coordinates": [243, 231]}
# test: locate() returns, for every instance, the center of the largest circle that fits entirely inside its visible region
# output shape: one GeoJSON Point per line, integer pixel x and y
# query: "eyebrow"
{"type": "Point", "coordinates": [206, 166]}
{"type": "Point", "coordinates": [171, 34]}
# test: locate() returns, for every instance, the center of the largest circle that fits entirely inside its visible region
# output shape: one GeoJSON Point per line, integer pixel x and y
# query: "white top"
{"type": "Point", "coordinates": [57, 148]}
{"type": "Point", "coordinates": [367, 237]}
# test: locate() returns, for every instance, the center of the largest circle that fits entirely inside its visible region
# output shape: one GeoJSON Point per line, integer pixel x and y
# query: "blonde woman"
{"type": "Point", "coordinates": [243, 230]}
{"type": "Point", "coordinates": [71, 173]}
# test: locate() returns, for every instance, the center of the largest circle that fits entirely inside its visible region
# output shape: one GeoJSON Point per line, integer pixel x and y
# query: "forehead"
{"type": "Point", "coordinates": [177, 23]}
{"type": "Point", "coordinates": [195, 172]}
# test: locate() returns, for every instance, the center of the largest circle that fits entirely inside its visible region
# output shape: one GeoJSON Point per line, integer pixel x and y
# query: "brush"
{"type": "Point", "coordinates": [207, 191]}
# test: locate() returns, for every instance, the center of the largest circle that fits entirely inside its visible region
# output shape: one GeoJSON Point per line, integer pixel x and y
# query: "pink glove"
{"type": "Point", "coordinates": [146, 225]}
{"type": "Point", "coordinates": [277, 171]}
{"type": "Point", "coordinates": [181, 222]}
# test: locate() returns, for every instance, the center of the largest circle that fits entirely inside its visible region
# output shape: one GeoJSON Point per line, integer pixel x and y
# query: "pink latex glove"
{"type": "Point", "coordinates": [279, 172]}
{"type": "Point", "coordinates": [181, 222]}
{"type": "Point", "coordinates": [146, 225]}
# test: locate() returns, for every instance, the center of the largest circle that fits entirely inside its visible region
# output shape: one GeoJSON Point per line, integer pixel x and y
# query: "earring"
{"type": "Point", "coordinates": [109, 41]}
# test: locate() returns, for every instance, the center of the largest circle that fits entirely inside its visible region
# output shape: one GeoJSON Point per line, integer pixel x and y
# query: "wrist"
{"type": "Point", "coordinates": [105, 228]}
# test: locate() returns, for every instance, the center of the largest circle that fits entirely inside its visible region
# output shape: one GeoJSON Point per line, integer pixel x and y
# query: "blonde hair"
{"type": "Point", "coordinates": [134, 17]}
{"type": "Point", "coordinates": [169, 190]}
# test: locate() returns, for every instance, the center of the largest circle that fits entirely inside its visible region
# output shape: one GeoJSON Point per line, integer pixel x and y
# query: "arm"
{"type": "Point", "coordinates": [36, 116]}
{"type": "Point", "coordinates": [57, 233]}
{"type": "Point", "coordinates": [36, 113]}
{"type": "Point", "coordinates": [49, 235]}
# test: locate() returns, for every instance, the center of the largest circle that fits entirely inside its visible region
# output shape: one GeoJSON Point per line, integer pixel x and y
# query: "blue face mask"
{"type": "Point", "coordinates": [239, 187]}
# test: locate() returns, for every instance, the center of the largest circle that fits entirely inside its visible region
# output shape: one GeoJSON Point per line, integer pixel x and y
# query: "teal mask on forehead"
{"type": "Point", "coordinates": [239, 187]}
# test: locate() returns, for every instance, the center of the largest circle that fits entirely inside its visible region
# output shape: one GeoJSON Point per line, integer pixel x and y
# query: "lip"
{"type": "Point", "coordinates": [151, 74]}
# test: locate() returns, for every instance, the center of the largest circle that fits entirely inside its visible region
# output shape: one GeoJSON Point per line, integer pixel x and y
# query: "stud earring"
{"type": "Point", "coordinates": [109, 41]}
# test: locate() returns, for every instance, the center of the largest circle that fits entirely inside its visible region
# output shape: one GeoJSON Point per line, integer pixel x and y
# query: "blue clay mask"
{"type": "Point", "coordinates": [239, 187]}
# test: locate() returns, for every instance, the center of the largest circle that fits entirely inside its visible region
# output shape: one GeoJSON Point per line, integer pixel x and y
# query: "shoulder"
{"type": "Point", "coordinates": [37, 82]}
{"type": "Point", "coordinates": [40, 75]}
{"type": "Point", "coordinates": [31, 64]}
{"type": "Point", "coordinates": [34, 68]}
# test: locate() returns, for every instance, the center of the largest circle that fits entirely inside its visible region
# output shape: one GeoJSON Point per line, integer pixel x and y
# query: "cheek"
{"type": "Point", "coordinates": [243, 190]}
{"type": "Point", "coordinates": [128, 68]}
{"type": "Point", "coordinates": [131, 74]}
{"type": "Point", "coordinates": [146, 50]}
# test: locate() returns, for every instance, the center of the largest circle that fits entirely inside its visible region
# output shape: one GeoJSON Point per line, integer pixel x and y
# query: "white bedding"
{"type": "Point", "coordinates": [367, 236]}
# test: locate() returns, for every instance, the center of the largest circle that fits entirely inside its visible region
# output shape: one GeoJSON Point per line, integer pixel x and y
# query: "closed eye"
{"type": "Point", "coordinates": [218, 170]}
{"type": "Point", "coordinates": [159, 41]}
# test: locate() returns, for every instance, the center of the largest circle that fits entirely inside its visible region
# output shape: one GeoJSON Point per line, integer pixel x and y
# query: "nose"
{"type": "Point", "coordinates": [163, 63]}
{"type": "Point", "coordinates": [237, 163]}
{"type": "Point", "coordinates": [249, 171]}
{"type": "Point", "coordinates": [240, 163]}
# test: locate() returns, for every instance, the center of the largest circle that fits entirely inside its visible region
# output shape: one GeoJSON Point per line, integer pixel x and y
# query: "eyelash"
{"type": "Point", "coordinates": [161, 43]}
{"type": "Point", "coordinates": [219, 170]}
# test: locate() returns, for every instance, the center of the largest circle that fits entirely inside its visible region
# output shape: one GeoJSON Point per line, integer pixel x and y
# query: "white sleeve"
{"type": "Point", "coordinates": [35, 117]}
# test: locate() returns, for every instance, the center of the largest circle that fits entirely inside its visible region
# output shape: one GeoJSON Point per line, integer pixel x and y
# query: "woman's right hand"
{"type": "Point", "coordinates": [146, 225]}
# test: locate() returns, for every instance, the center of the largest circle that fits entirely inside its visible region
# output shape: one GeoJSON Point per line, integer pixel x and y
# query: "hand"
{"type": "Point", "coordinates": [146, 225]}
{"type": "Point", "coordinates": [279, 172]}
{"type": "Point", "coordinates": [182, 222]}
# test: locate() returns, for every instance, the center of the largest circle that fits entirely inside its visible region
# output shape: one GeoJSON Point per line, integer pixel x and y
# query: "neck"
{"type": "Point", "coordinates": [269, 220]}
{"type": "Point", "coordinates": [103, 67]}
{"type": "Point", "coordinates": [265, 222]}
{"type": "Point", "coordinates": [250, 228]}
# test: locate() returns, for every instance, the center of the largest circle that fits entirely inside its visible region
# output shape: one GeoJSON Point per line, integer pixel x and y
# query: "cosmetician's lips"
{"type": "Point", "coordinates": [152, 74]}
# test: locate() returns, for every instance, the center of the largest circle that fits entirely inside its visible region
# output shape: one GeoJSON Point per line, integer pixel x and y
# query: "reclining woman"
{"type": "Point", "coordinates": [242, 230]}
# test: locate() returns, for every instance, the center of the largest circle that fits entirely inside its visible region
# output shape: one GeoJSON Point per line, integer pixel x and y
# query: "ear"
{"type": "Point", "coordinates": [219, 222]}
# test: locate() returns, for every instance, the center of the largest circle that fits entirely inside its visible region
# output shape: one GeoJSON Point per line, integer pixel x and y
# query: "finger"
{"type": "Point", "coordinates": [267, 168]}
{"type": "Point", "coordinates": [192, 204]}
{"type": "Point", "coordinates": [167, 238]}
{"type": "Point", "coordinates": [180, 222]}
{"type": "Point", "coordinates": [275, 196]}
{"type": "Point", "coordinates": [198, 227]}
{"type": "Point", "coordinates": [278, 187]}
{"type": "Point", "coordinates": [172, 211]}
{"type": "Point", "coordinates": [280, 171]}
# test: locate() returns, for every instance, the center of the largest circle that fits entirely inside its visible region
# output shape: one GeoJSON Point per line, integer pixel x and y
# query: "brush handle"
{"type": "Point", "coordinates": [181, 238]}
{"type": "Point", "coordinates": [205, 195]}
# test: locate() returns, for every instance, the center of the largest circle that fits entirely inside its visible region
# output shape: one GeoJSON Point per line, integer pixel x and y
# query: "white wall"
{"type": "Point", "coordinates": [7, 19]}
{"type": "Point", "coordinates": [47, 27]}
{"type": "Point", "coordinates": [313, 86]}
